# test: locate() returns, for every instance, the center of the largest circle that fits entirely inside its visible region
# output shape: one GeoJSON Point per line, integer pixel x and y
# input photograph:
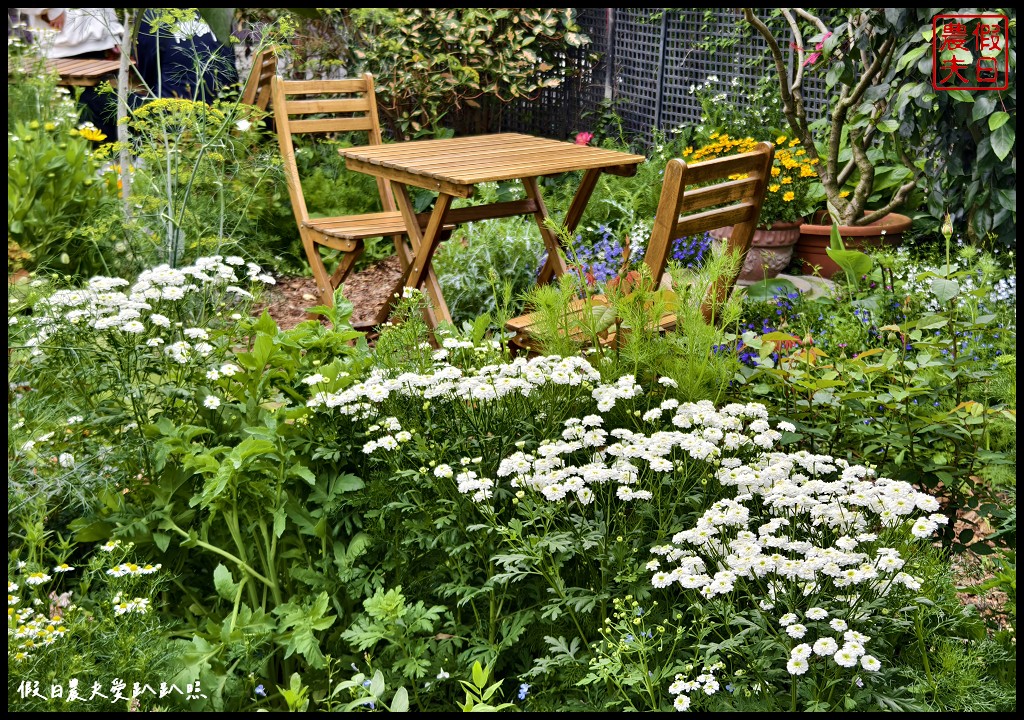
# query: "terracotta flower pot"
{"type": "Point", "coordinates": [770, 250]}
{"type": "Point", "coordinates": [815, 238]}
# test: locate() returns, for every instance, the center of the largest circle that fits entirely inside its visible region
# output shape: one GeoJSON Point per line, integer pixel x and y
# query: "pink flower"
{"type": "Point", "coordinates": [813, 57]}
{"type": "Point", "coordinates": [583, 138]}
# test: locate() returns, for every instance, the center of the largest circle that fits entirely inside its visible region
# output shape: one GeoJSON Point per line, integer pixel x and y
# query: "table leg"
{"type": "Point", "coordinates": [554, 268]}
{"type": "Point", "coordinates": [555, 265]}
{"type": "Point", "coordinates": [418, 271]}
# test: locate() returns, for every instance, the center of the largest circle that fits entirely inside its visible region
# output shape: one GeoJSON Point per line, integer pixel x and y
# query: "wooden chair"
{"type": "Point", "coordinates": [694, 199]}
{"type": "Point", "coordinates": [333, 106]}
{"type": "Point", "coordinates": [257, 87]}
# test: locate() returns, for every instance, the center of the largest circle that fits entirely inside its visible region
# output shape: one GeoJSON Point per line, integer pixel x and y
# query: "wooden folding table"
{"type": "Point", "coordinates": [453, 167]}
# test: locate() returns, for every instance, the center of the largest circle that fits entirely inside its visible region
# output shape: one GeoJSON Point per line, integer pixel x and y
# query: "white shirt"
{"type": "Point", "coordinates": [85, 30]}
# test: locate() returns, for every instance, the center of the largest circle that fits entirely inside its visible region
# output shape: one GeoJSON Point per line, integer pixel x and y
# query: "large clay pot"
{"type": "Point", "coordinates": [770, 250]}
{"type": "Point", "coordinates": [815, 238]}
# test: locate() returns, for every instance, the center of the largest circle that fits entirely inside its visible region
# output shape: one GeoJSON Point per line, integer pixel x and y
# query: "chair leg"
{"type": "Point", "coordinates": [316, 264]}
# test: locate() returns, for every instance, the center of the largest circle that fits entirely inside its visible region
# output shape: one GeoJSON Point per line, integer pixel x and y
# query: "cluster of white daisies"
{"type": "Point", "coordinates": [492, 382]}
{"type": "Point", "coordinates": [114, 304]}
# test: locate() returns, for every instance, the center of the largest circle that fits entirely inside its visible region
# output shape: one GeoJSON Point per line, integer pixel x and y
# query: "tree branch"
{"type": "Point", "coordinates": [813, 19]}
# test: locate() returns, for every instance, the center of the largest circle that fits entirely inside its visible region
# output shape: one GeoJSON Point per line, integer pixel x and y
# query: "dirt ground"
{"type": "Point", "coordinates": [367, 290]}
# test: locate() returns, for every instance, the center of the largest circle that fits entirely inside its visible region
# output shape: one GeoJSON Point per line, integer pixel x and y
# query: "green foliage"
{"type": "Point", "coordinates": [619, 324]}
{"type": "Point", "coordinates": [479, 693]}
{"type": "Point", "coordinates": [228, 494]}
{"type": "Point", "coordinates": [1002, 568]}
{"type": "Point", "coordinates": [200, 180]}
{"type": "Point", "coordinates": [636, 657]}
{"type": "Point", "coordinates": [53, 186]}
{"type": "Point", "coordinates": [973, 177]}
{"type": "Point", "coordinates": [309, 506]}
{"type": "Point", "coordinates": [401, 634]}
{"type": "Point", "coordinates": [900, 363]}
{"type": "Point", "coordinates": [718, 101]}
{"type": "Point", "coordinates": [369, 693]}
{"type": "Point", "coordinates": [884, 115]}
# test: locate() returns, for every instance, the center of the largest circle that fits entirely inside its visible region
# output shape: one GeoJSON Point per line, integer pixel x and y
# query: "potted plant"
{"type": "Point", "coordinates": [865, 171]}
{"type": "Point", "coordinates": [786, 202]}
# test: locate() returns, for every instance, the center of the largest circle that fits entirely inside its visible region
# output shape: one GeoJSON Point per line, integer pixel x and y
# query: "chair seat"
{"type": "Point", "coordinates": [525, 334]}
{"type": "Point", "coordinates": [368, 225]}
{"type": "Point", "coordinates": [359, 227]}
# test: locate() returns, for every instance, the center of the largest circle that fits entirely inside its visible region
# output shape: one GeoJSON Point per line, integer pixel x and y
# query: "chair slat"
{"type": "Point", "coordinates": [325, 87]}
{"type": "Point", "coordinates": [328, 105]}
{"type": "Point", "coordinates": [326, 125]}
{"type": "Point", "coordinates": [714, 219]}
{"type": "Point", "coordinates": [720, 194]}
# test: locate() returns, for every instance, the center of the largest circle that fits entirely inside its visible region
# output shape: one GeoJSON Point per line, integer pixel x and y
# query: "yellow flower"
{"type": "Point", "coordinates": [780, 139]}
{"type": "Point", "coordinates": [775, 171]}
{"type": "Point", "coordinates": [844, 193]}
{"type": "Point", "coordinates": [91, 133]}
{"type": "Point", "coordinates": [773, 188]}
{"type": "Point", "coordinates": [788, 197]}
{"type": "Point", "coordinates": [793, 142]}
{"type": "Point", "coordinates": [786, 180]}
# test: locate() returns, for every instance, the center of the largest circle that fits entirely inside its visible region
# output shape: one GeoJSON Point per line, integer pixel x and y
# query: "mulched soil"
{"type": "Point", "coordinates": [367, 290]}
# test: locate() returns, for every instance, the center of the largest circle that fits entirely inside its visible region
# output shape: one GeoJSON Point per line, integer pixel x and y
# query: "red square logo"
{"type": "Point", "coordinates": [970, 52]}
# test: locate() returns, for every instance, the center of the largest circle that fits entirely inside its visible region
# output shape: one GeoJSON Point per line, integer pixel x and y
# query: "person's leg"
{"type": "Point", "coordinates": [97, 107]}
{"type": "Point", "coordinates": [101, 110]}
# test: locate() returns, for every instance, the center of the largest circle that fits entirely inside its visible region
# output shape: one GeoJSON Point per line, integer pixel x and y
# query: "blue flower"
{"type": "Point", "coordinates": [524, 690]}
{"type": "Point", "coordinates": [261, 691]}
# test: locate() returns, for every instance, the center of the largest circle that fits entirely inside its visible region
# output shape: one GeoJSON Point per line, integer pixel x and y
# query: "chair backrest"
{"type": "Point", "coordinates": [733, 187]}
{"type": "Point", "coordinates": [257, 87]}
{"type": "Point", "coordinates": [323, 107]}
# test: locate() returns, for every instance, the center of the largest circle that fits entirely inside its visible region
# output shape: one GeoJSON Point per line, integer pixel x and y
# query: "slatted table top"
{"type": "Point", "coordinates": [74, 71]}
{"type": "Point", "coordinates": [466, 161]}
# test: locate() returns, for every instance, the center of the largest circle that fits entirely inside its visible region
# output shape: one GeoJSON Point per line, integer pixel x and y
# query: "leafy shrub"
{"type": "Point", "coordinates": [53, 186]}
{"type": "Point", "coordinates": [491, 57]}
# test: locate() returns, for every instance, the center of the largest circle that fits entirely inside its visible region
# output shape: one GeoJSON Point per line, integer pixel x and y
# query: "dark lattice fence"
{"type": "Point", "coordinates": [650, 59]}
